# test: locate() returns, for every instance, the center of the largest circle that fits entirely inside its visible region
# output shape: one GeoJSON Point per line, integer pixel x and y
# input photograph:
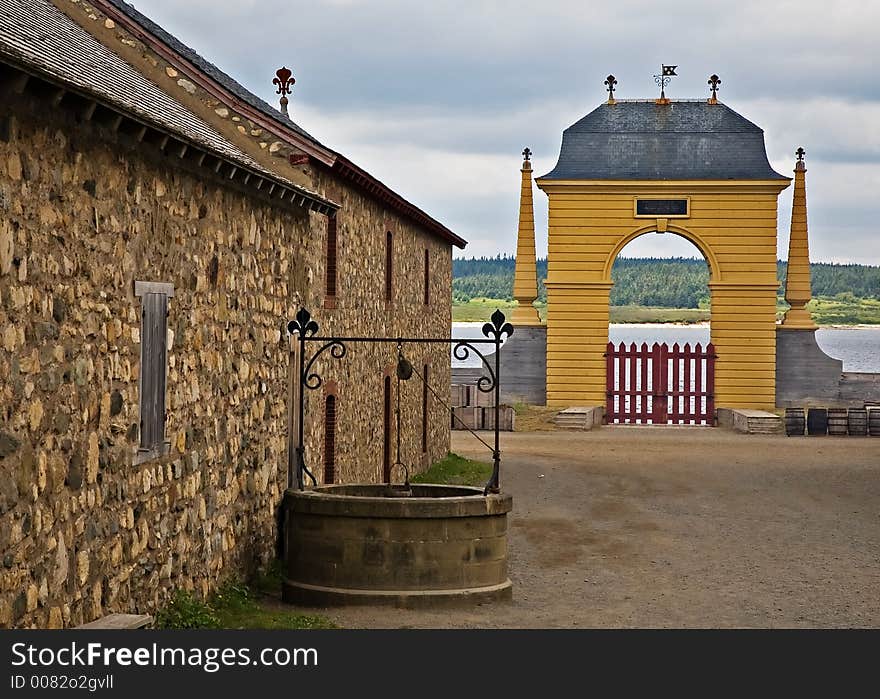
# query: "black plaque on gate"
{"type": "Point", "coordinates": [661, 207]}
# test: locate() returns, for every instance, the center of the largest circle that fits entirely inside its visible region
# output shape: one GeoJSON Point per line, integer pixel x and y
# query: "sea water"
{"type": "Point", "coordinates": [858, 347]}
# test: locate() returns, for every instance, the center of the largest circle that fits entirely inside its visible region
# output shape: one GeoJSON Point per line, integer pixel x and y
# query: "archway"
{"type": "Point", "coordinates": [659, 360]}
{"type": "Point", "coordinates": [691, 167]}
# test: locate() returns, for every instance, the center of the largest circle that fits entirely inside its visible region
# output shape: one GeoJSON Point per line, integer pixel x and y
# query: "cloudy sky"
{"type": "Point", "coordinates": [438, 99]}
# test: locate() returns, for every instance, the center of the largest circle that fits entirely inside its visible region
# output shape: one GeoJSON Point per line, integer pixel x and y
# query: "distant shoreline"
{"type": "Point", "coordinates": [858, 326]}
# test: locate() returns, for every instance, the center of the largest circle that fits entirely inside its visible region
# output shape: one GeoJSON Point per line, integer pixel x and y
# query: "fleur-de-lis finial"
{"type": "Point", "coordinates": [714, 82]}
{"type": "Point", "coordinates": [527, 153]}
{"type": "Point", "coordinates": [800, 153]}
{"type": "Point", "coordinates": [610, 83]}
{"type": "Point", "coordinates": [284, 81]}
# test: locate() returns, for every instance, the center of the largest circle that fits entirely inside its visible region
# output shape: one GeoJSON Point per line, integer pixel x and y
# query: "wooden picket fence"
{"type": "Point", "coordinates": [660, 385]}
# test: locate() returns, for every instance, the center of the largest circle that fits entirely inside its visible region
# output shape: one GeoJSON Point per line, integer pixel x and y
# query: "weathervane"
{"type": "Point", "coordinates": [284, 81]}
{"type": "Point", "coordinates": [610, 82]}
{"type": "Point", "coordinates": [666, 74]}
{"type": "Point", "coordinates": [800, 153]}
{"type": "Point", "coordinates": [714, 82]}
{"type": "Point", "coordinates": [527, 153]}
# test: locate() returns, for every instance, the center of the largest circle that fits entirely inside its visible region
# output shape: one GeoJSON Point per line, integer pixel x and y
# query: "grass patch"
{"type": "Point", "coordinates": [844, 310]}
{"type": "Point", "coordinates": [650, 314]}
{"type": "Point", "coordinates": [479, 309]}
{"type": "Point", "coordinates": [236, 606]}
{"type": "Point", "coordinates": [839, 310]}
{"type": "Point", "coordinates": [455, 470]}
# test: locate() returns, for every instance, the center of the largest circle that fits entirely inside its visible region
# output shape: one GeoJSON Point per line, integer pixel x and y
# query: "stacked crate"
{"type": "Point", "coordinates": [473, 409]}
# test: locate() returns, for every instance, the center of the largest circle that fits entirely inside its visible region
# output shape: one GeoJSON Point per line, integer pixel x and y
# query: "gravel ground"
{"type": "Point", "coordinates": [678, 527]}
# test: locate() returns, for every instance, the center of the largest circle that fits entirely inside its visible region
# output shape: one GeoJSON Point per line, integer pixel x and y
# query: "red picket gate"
{"type": "Point", "coordinates": [660, 386]}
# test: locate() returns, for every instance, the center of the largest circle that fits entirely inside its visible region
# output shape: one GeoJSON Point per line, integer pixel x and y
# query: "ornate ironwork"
{"type": "Point", "coordinates": [284, 80]}
{"type": "Point", "coordinates": [306, 330]}
{"type": "Point", "coordinates": [527, 153]}
{"type": "Point", "coordinates": [666, 75]}
{"type": "Point", "coordinates": [800, 153]}
{"type": "Point", "coordinates": [610, 83]}
{"type": "Point", "coordinates": [313, 381]}
{"type": "Point", "coordinates": [302, 324]}
{"type": "Point", "coordinates": [714, 82]}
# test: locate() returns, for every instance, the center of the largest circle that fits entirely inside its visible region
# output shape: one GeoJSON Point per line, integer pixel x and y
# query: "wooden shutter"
{"type": "Point", "coordinates": [330, 439]}
{"type": "Point", "coordinates": [386, 431]}
{"type": "Point", "coordinates": [427, 277]}
{"type": "Point", "coordinates": [425, 379]}
{"type": "Point", "coordinates": [154, 351]}
{"type": "Point", "coordinates": [389, 264]}
{"type": "Point", "coordinates": [331, 256]}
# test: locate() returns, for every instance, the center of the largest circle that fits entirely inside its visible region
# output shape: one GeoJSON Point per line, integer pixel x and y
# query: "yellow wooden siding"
{"type": "Point", "coordinates": [735, 223]}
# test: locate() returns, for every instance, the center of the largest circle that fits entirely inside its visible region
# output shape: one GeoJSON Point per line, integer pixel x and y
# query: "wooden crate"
{"type": "Point", "coordinates": [506, 418]}
{"type": "Point", "coordinates": [467, 417]}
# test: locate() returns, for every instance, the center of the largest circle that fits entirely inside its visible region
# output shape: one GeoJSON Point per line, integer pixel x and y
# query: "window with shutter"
{"type": "Point", "coordinates": [427, 277]}
{"type": "Point", "coordinates": [389, 266]}
{"type": "Point", "coordinates": [330, 439]}
{"type": "Point", "coordinates": [154, 360]}
{"type": "Point", "coordinates": [330, 289]}
{"type": "Point", "coordinates": [386, 431]}
{"type": "Point", "coordinates": [425, 379]}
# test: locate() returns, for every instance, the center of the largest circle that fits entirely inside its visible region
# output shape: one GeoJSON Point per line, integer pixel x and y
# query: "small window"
{"type": "Point", "coordinates": [389, 265]}
{"type": "Point", "coordinates": [424, 408]}
{"type": "Point", "coordinates": [427, 277]}
{"type": "Point", "coordinates": [154, 365]}
{"type": "Point", "coordinates": [331, 257]}
{"type": "Point", "coordinates": [386, 431]}
{"type": "Point", "coordinates": [330, 439]}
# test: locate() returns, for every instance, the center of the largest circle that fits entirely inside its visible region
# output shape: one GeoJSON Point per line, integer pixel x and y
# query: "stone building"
{"type": "Point", "coordinates": [159, 224]}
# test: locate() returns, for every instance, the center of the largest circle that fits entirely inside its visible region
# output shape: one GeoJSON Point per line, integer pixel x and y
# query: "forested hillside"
{"type": "Point", "coordinates": [658, 282]}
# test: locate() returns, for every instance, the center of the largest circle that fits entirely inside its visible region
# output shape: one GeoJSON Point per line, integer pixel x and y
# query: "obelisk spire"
{"type": "Point", "coordinates": [797, 280]}
{"type": "Point", "coordinates": [525, 279]}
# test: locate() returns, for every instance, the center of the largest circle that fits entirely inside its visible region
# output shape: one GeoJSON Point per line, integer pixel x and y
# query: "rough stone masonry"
{"type": "Point", "coordinates": [84, 212]}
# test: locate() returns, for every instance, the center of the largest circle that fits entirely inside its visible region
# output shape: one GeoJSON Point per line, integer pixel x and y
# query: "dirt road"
{"type": "Point", "coordinates": [679, 527]}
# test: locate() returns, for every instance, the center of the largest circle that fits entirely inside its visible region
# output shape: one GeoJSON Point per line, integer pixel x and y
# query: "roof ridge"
{"type": "Point", "coordinates": [211, 69]}
{"type": "Point", "coordinates": [669, 100]}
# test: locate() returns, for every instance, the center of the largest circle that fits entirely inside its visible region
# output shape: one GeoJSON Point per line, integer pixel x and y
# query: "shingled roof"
{"type": "Point", "coordinates": [682, 140]}
{"type": "Point", "coordinates": [39, 38]}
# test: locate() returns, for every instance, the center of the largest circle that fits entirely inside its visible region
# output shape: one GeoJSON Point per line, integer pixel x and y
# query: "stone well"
{"type": "Point", "coordinates": [352, 544]}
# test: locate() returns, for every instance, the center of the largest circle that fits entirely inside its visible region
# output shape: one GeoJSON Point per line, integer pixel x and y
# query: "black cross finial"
{"type": "Point", "coordinates": [527, 154]}
{"type": "Point", "coordinates": [800, 153]}
{"type": "Point", "coordinates": [714, 82]}
{"type": "Point", "coordinates": [610, 83]}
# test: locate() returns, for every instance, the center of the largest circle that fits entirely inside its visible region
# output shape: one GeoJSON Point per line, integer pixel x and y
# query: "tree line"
{"type": "Point", "coordinates": [665, 282]}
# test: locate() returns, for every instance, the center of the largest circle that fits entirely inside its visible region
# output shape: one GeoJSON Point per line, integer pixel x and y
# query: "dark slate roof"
{"type": "Point", "coordinates": [209, 68]}
{"type": "Point", "coordinates": [643, 140]}
{"type": "Point", "coordinates": [39, 37]}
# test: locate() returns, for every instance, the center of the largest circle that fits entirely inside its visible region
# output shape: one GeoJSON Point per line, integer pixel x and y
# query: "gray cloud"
{"type": "Point", "coordinates": [438, 99]}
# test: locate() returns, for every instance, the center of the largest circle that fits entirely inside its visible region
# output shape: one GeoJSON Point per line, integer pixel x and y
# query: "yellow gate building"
{"type": "Point", "coordinates": [692, 168]}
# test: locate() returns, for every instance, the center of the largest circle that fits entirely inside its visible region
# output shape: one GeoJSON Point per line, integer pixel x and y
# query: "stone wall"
{"type": "Point", "coordinates": [83, 213]}
{"type": "Point", "coordinates": [361, 309]}
{"type": "Point", "coordinates": [807, 377]}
